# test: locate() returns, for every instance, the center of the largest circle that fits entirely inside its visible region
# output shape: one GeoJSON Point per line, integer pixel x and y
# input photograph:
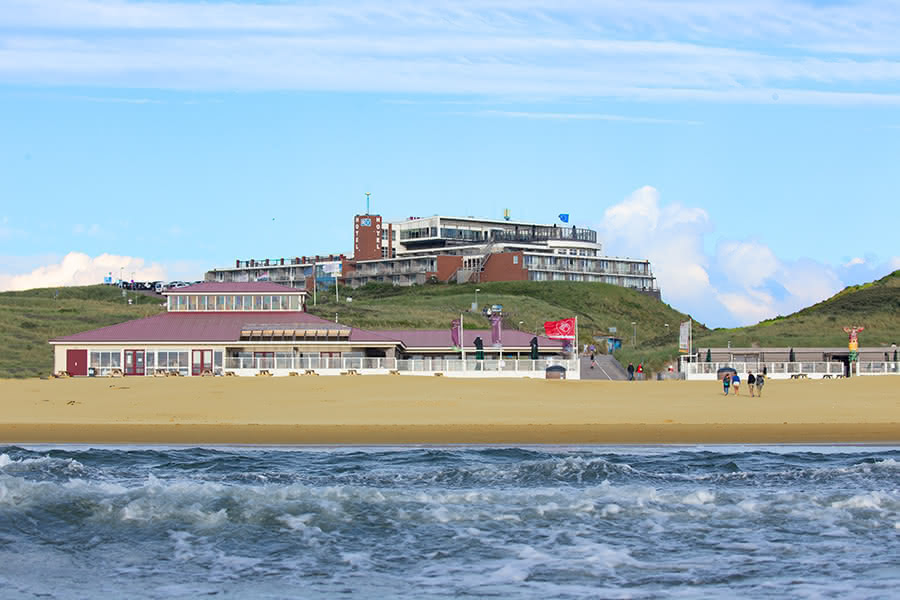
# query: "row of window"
{"type": "Point", "coordinates": [141, 362]}
{"type": "Point", "coordinates": [233, 303]}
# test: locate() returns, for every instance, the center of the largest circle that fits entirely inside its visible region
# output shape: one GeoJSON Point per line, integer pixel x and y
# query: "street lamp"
{"type": "Point", "coordinates": [634, 334]}
{"type": "Point", "coordinates": [476, 297]}
{"type": "Point", "coordinates": [520, 325]}
{"type": "Point", "coordinates": [667, 330]}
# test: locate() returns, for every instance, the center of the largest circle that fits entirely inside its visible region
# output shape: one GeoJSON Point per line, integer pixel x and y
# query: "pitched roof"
{"type": "Point", "coordinates": [194, 327]}
{"type": "Point", "coordinates": [205, 327]}
{"type": "Point", "coordinates": [227, 287]}
{"type": "Point", "coordinates": [440, 338]}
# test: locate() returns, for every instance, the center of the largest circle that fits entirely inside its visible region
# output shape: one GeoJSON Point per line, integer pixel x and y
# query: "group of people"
{"type": "Point", "coordinates": [732, 381]}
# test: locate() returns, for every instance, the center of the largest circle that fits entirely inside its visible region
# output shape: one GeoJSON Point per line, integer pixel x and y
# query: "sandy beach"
{"type": "Point", "coordinates": [418, 410]}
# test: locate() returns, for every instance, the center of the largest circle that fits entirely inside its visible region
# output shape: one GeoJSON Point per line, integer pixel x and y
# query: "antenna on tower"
{"type": "Point", "coordinates": [367, 201]}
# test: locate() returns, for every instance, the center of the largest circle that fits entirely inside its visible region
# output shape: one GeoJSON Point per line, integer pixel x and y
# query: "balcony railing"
{"type": "Point", "coordinates": [784, 370]}
{"type": "Point", "coordinates": [423, 365]}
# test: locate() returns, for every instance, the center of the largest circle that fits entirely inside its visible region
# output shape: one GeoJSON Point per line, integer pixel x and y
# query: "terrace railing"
{"type": "Point", "coordinates": [787, 369]}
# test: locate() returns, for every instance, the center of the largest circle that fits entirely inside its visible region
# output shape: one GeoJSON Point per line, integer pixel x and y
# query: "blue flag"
{"type": "Point", "coordinates": [564, 217]}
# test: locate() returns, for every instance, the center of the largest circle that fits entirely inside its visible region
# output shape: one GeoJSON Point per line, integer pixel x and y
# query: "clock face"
{"type": "Point", "coordinates": [365, 222]}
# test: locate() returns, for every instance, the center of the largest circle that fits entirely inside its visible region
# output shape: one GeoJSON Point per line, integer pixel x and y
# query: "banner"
{"type": "Point", "coordinates": [496, 324]}
{"type": "Point", "coordinates": [560, 330]}
{"type": "Point", "coordinates": [684, 337]}
{"type": "Point", "coordinates": [454, 333]}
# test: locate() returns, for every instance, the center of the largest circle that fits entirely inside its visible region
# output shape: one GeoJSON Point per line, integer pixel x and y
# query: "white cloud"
{"type": "Point", "coordinates": [547, 116]}
{"type": "Point", "coordinates": [77, 268]}
{"type": "Point", "coordinates": [91, 230]}
{"type": "Point", "coordinates": [643, 49]}
{"type": "Point", "coordinates": [743, 282]}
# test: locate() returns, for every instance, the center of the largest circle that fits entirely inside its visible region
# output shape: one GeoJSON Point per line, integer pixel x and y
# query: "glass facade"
{"type": "Point", "coordinates": [233, 302]}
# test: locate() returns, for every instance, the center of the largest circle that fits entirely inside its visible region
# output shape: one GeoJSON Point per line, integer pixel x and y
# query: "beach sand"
{"type": "Point", "coordinates": [430, 410]}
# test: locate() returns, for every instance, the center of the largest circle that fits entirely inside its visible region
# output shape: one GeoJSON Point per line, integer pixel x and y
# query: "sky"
{"type": "Point", "coordinates": [749, 150]}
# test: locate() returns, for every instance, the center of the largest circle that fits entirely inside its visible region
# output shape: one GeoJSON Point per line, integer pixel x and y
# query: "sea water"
{"type": "Point", "coordinates": [450, 522]}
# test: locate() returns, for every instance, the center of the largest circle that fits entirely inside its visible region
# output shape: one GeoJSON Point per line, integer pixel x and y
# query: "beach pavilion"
{"type": "Point", "coordinates": [254, 328]}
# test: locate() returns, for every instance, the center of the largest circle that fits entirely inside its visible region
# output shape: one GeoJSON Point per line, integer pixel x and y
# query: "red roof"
{"type": "Point", "coordinates": [230, 287]}
{"type": "Point", "coordinates": [440, 338]}
{"type": "Point", "coordinates": [195, 327]}
{"type": "Point", "coordinates": [226, 327]}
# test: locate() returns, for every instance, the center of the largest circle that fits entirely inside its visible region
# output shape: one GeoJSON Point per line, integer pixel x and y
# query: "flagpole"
{"type": "Point", "coordinates": [462, 341]}
{"type": "Point", "coordinates": [575, 346]}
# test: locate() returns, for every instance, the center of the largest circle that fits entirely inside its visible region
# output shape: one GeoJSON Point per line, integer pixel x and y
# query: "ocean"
{"type": "Point", "coordinates": [450, 522]}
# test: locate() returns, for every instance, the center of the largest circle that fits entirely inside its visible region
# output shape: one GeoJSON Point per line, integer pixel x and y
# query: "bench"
{"type": "Point", "coordinates": [230, 374]}
{"type": "Point", "coordinates": [349, 372]}
{"type": "Point", "coordinates": [799, 376]}
{"type": "Point", "coordinates": [394, 372]}
{"type": "Point", "coordinates": [293, 374]}
{"type": "Point", "coordinates": [310, 372]}
{"type": "Point", "coordinates": [115, 372]}
{"type": "Point", "coordinates": [264, 373]}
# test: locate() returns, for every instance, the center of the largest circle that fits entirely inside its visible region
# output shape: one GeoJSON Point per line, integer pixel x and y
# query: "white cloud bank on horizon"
{"type": "Point", "coordinates": [742, 283]}
{"type": "Point", "coordinates": [77, 268]}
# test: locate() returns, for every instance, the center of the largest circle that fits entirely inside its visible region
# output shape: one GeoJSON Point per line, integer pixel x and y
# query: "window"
{"type": "Point", "coordinates": [192, 303]}
{"type": "Point", "coordinates": [257, 302]}
{"type": "Point", "coordinates": [295, 302]}
{"type": "Point", "coordinates": [515, 259]}
{"type": "Point", "coordinates": [248, 302]}
{"type": "Point", "coordinates": [276, 302]}
{"type": "Point", "coordinates": [103, 362]}
{"type": "Point", "coordinates": [267, 303]}
{"type": "Point", "coordinates": [220, 302]}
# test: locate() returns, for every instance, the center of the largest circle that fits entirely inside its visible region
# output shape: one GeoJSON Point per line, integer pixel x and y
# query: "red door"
{"type": "Point", "coordinates": [76, 362]}
{"type": "Point", "coordinates": [201, 360]}
{"type": "Point", "coordinates": [134, 362]}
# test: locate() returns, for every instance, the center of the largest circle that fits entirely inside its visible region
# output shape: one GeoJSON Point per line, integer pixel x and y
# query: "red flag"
{"type": "Point", "coordinates": [560, 330]}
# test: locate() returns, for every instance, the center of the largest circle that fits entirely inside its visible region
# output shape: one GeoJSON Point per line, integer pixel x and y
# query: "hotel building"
{"type": "Point", "coordinates": [262, 327]}
{"type": "Point", "coordinates": [452, 249]}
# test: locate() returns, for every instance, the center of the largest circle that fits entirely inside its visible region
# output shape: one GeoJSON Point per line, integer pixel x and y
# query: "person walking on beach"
{"type": "Point", "coordinates": [630, 372]}
{"type": "Point", "coordinates": [736, 383]}
{"type": "Point", "coordinates": [593, 360]}
{"type": "Point", "coordinates": [760, 382]}
{"type": "Point", "coordinates": [726, 382]}
{"type": "Point", "coordinates": [640, 371]}
{"type": "Point", "coordinates": [751, 381]}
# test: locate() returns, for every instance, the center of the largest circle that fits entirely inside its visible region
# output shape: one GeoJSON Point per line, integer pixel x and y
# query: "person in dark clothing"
{"type": "Point", "coordinates": [630, 372]}
{"type": "Point", "coordinates": [751, 382]}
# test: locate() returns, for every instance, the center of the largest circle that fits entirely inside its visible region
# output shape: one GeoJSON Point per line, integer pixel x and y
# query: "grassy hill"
{"type": "Point", "coordinates": [526, 305]}
{"type": "Point", "coordinates": [29, 318]}
{"type": "Point", "coordinates": [875, 305]}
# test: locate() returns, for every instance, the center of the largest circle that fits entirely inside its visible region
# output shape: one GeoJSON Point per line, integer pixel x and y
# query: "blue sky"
{"type": "Point", "coordinates": [750, 150]}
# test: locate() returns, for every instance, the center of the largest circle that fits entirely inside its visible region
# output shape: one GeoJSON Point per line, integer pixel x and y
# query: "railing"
{"type": "Point", "coordinates": [788, 369]}
{"type": "Point", "coordinates": [298, 363]}
{"type": "Point", "coordinates": [486, 365]}
{"type": "Point", "coordinates": [423, 365]}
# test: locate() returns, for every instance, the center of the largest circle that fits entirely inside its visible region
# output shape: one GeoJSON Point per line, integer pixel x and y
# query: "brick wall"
{"type": "Point", "coordinates": [505, 266]}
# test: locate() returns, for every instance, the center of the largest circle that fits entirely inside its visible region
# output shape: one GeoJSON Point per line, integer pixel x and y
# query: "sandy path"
{"type": "Point", "coordinates": [395, 409]}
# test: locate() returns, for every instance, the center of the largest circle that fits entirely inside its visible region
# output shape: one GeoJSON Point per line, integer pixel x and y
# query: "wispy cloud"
{"type": "Point", "coordinates": [730, 51]}
{"type": "Point", "coordinates": [556, 116]}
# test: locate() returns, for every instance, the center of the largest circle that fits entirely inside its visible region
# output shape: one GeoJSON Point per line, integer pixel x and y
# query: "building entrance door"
{"type": "Point", "coordinates": [76, 362]}
{"type": "Point", "coordinates": [201, 360]}
{"type": "Point", "coordinates": [134, 362]}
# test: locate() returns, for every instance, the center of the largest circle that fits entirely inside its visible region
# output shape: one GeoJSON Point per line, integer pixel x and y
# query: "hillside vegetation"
{"type": "Point", "coordinates": [29, 318]}
{"type": "Point", "coordinates": [526, 305]}
{"type": "Point", "coordinates": [874, 305]}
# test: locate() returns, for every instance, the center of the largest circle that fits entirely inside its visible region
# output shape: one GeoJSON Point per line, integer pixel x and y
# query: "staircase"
{"type": "Point", "coordinates": [486, 253]}
{"type": "Point", "coordinates": [608, 368]}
